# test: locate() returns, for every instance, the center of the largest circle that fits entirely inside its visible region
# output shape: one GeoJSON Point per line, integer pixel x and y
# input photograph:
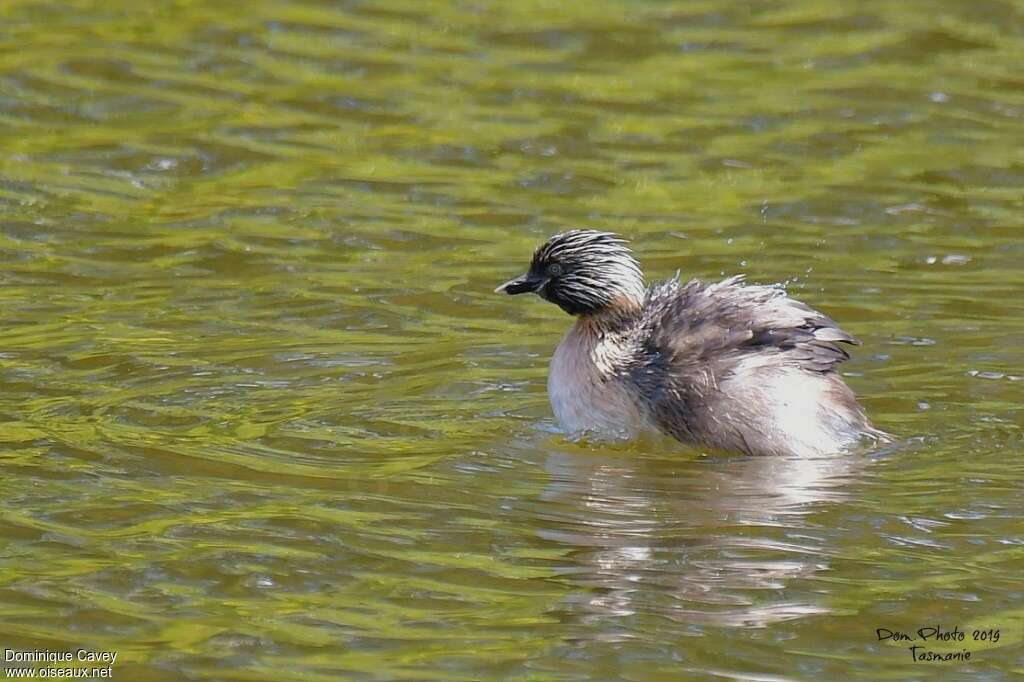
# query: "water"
{"type": "Point", "coordinates": [264, 419]}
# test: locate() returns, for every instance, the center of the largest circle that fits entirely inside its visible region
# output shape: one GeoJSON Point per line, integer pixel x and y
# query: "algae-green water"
{"type": "Point", "coordinates": [262, 417]}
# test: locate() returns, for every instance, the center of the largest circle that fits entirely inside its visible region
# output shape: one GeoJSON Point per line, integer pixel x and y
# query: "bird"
{"type": "Point", "coordinates": [726, 365]}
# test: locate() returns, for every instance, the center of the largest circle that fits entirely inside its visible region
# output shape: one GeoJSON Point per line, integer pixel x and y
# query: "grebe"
{"type": "Point", "coordinates": [725, 365]}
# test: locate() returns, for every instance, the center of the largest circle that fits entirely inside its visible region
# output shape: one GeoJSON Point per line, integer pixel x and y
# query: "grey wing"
{"type": "Point", "coordinates": [696, 333]}
{"type": "Point", "coordinates": [698, 323]}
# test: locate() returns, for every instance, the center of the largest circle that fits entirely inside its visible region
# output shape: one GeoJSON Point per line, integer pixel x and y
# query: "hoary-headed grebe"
{"type": "Point", "coordinates": [727, 366]}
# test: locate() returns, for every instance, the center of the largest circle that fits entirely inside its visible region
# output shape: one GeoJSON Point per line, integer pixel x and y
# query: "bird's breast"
{"type": "Point", "coordinates": [587, 393]}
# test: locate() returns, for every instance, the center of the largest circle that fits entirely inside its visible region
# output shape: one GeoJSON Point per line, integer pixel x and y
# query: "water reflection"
{"type": "Point", "coordinates": [706, 542]}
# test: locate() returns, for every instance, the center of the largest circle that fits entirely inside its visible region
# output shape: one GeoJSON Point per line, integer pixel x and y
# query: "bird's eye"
{"type": "Point", "coordinates": [554, 269]}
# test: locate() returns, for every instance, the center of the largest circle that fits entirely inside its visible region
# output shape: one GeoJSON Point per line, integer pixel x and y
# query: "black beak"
{"type": "Point", "coordinates": [520, 285]}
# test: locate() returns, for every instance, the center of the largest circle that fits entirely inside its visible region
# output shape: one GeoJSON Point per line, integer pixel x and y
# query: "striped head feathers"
{"type": "Point", "coordinates": [583, 272]}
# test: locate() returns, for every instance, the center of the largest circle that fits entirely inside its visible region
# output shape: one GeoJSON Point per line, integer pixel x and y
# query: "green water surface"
{"type": "Point", "coordinates": [262, 417]}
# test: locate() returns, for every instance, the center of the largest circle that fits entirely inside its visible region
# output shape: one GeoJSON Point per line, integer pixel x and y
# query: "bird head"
{"type": "Point", "coordinates": [583, 272]}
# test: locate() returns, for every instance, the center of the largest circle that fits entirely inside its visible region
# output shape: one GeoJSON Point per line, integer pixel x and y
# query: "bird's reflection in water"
{"type": "Point", "coordinates": [717, 541]}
